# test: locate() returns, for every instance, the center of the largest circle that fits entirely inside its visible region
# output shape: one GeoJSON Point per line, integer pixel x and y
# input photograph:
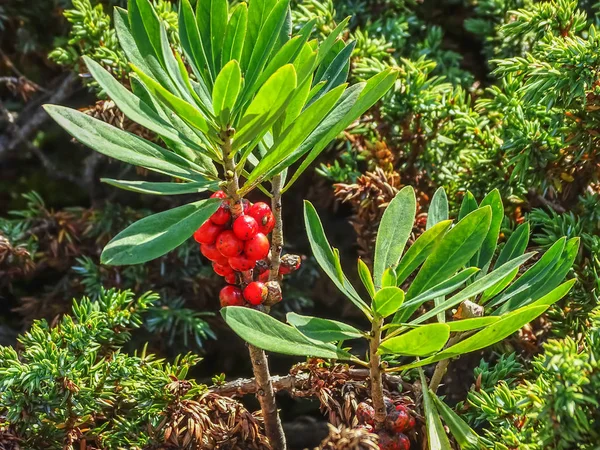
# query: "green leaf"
{"type": "Point", "coordinates": [472, 324]}
{"type": "Point", "coordinates": [438, 208]}
{"type": "Point", "coordinates": [365, 276]}
{"type": "Point", "coordinates": [388, 278]}
{"type": "Point", "coordinates": [192, 44]}
{"type": "Point", "coordinates": [486, 252]}
{"type": "Point", "coordinates": [235, 34]}
{"type": "Point", "coordinates": [388, 300]}
{"type": "Point", "coordinates": [394, 230]}
{"type": "Point", "coordinates": [370, 92]}
{"type": "Point", "coordinates": [337, 72]}
{"type": "Point", "coordinates": [420, 341]}
{"type": "Point", "coordinates": [218, 26]}
{"type": "Point", "coordinates": [476, 287]}
{"type": "Point", "coordinates": [468, 205]}
{"type": "Point", "coordinates": [323, 330]}
{"type": "Point", "coordinates": [146, 187]}
{"type": "Point", "coordinates": [269, 103]}
{"type": "Point", "coordinates": [158, 234]}
{"type": "Point", "coordinates": [258, 11]}
{"type": "Point", "coordinates": [187, 112]}
{"type": "Point", "coordinates": [420, 250]}
{"type": "Point", "coordinates": [460, 430]}
{"type": "Point", "coordinates": [439, 290]}
{"type": "Point", "coordinates": [267, 333]}
{"type": "Point", "coordinates": [436, 435]}
{"type": "Point", "coordinates": [226, 90]}
{"type": "Point", "coordinates": [507, 325]}
{"type": "Point", "coordinates": [119, 144]}
{"type": "Point", "coordinates": [327, 44]}
{"type": "Point", "coordinates": [556, 294]}
{"type": "Point", "coordinates": [326, 258]}
{"type": "Point", "coordinates": [453, 252]}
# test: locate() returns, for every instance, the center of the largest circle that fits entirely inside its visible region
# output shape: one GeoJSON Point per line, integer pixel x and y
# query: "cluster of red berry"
{"type": "Point", "coordinates": [239, 248]}
{"type": "Point", "coordinates": [397, 423]}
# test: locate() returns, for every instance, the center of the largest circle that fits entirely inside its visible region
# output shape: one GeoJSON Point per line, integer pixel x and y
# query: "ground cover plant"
{"type": "Point", "coordinates": [470, 173]}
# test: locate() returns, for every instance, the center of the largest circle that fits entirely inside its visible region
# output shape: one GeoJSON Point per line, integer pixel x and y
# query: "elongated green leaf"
{"type": "Point", "coordinates": [323, 330]}
{"type": "Point", "coordinates": [218, 26]}
{"type": "Point", "coordinates": [326, 258]}
{"type": "Point", "coordinates": [556, 294]}
{"type": "Point", "coordinates": [486, 252]}
{"type": "Point", "coordinates": [420, 250]}
{"type": "Point", "coordinates": [507, 325]}
{"type": "Point", "coordinates": [468, 205]}
{"type": "Point", "coordinates": [438, 208]}
{"type": "Point", "coordinates": [476, 287]}
{"type": "Point", "coordinates": [453, 252]}
{"type": "Point", "coordinates": [235, 34]}
{"type": "Point", "coordinates": [436, 435]}
{"type": "Point", "coordinates": [226, 90]}
{"type": "Point", "coordinates": [296, 133]}
{"type": "Point", "coordinates": [387, 301]}
{"type": "Point", "coordinates": [515, 246]}
{"type": "Point", "coordinates": [258, 12]}
{"type": "Point", "coordinates": [146, 187]}
{"type": "Point", "coordinates": [365, 276]}
{"type": "Point", "coordinates": [337, 72]}
{"type": "Point", "coordinates": [327, 44]}
{"type": "Point", "coordinates": [439, 290]}
{"type": "Point", "coordinates": [158, 234]}
{"type": "Point", "coordinates": [394, 230]}
{"type": "Point", "coordinates": [269, 103]}
{"type": "Point", "coordinates": [192, 44]}
{"type": "Point", "coordinates": [388, 278]}
{"type": "Point", "coordinates": [460, 430]}
{"type": "Point", "coordinates": [472, 324]}
{"type": "Point", "coordinates": [420, 341]}
{"type": "Point", "coordinates": [119, 144]}
{"type": "Point", "coordinates": [267, 333]}
{"type": "Point", "coordinates": [370, 92]}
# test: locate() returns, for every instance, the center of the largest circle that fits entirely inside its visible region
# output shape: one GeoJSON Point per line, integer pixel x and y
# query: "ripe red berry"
{"type": "Point", "coordinates": [207, 233]}
{"type": "Point", "coordinates": [264, 277]}
{"type": "Point", "coordinates": [222, 215]}
{"type": "Point", "coordinates": [255, 293]}
{"type": "Point", "coordinates": [403, 441]}
{"type": "Point", "coordinates": [241, 263]}
{"type": "Point", "coordinates": [289, 263]}
{"type": "Point", "coordinates": [211, 253]}
{"type": "Point", "coordinates": [257, 247]}
{"type": "Point", "coordinates": [228, 244]}
{"type": "Point", "coordinates": [264, 217]}
{"type": "Point", "coordinates": [411, 423]}
{"type": "Point", "coordinates": [365, 413]}
{"type": "Point", "coordinates": [231, 296]}
{"type": "Point", "coordinates": [231, 278]}
{"type": "Point", "coordinates": [397, 421]}
{"type": "Point", "coordinates": [245, 227]}
{"type": "Point", "coordinates": [219, 194]}
{"type": "Point", "coordinates": [221, 269]}
{"type": "Point", "coordinates": [393, 442]}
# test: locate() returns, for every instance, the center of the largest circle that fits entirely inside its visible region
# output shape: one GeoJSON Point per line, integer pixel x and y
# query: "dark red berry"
{"type": "Point", "coordinates": [222, 215]}
{"type": "Point", "coordinates": [228, 244]}
{"type": "Point", "coordinates": [257, 247]}
{"type": "Point", "coordinates": [255, 293]}
{"type": "Point", "coordinates": [264, 217]}
{"type": "Point", "coordinates": [411, 423]}
{"type": "Point", "coordinates": [207, 233]}
{"type": "Point", "coordinates": [210, 251]}
{"type": "Point", "coordinates": [262, 265]}
{"type": "Point", "coordinates": [241, 263]}
{"type": "Point", "coordinates": [219, 194]}
{"type": "Point", "coordinates": [365, 413]}
{"type": "Point", "coordinates": [289, 263]}
{"type": "Point", "coordinates": [231, 278]}
{"type": "Point", "coordinates": [221, 269]}
{"type": "Point", "coordinates": [366, 427]}
{"type": "Point", "coordinates": [397, 421]}
{"type": "Point", "coordinates": [403, 441]}
{"type": "Point", "coordinates": [393, 441]}
{"type": "Point", "coordinates": [245, 227]}
{"type": "Point", "coordinates": [264, 277]}
{"type": "Point", "coordinates": [231, 296]}
{"type": "Point", "coordinates": [389, 404]}
{"type": "Point", "coordinates": [246, 205]}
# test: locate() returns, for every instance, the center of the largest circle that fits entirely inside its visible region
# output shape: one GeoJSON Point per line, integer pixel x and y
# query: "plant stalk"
{"type": "Point", "coordinates": [277, 235]}
{"type": "Point", "coordinates": [377, 373]}
{"type": "Point", "coordinates": [440, 367]}
{"type": "Point", "coordinates": [260, 364]}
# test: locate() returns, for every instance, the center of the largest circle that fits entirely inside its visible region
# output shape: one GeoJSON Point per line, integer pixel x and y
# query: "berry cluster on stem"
{"type": "Point", "coordinates": [398, 421]}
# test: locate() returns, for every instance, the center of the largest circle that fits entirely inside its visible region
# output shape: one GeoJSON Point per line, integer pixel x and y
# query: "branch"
{"type": "Point", "coordinates": [277, 235]}
{"type": "Point", "coordinates": [376, 373]}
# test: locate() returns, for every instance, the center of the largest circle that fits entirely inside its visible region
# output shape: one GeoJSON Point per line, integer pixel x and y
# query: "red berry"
{"type": "Point", "coordinates": [397, 421]}
{"type": "Point", "coordinates": [365, 413]}
{"type": "Point", "coordinates": [219, 194]}
{"type": "Point", "coordinates": [255, 293]}
{"type": "Point", "coordinates": [245, 227]}
{"type": "Point", "coordinates": [228, 244]}
{"type": "Point", "coordinates": [289, 263]}
{"type": "Point", "coordinates": [207, 233]}
{"type": "Point", "coordinates": [403, 441]}
{"type": "Point", "coordinates": [411, 423]}
{"type": "Point", "coordinates": [241, 263]}
{"type": "Point", "coordinates": [222, 215]}
{"type": "Point", "coordinates": [210, 252]}
{"type": "Point", "coordinates": [393, 442]}
{"type": "Point", "coordinates": [257, 247]}
{"type": "Point", "coordinates": [264, 277]}
{"type": "Point", "coordinates": [368, 428]}
{"type": "Point", "coordinates": [246, 205]}
{"type": "Point", "coordinates": [264, 217]}
{"type": "Point", "coordinates": [231, 278]}
{"type": "Point", "coordinates": [231, 296]}
{"type": "Point", "coordinates": [221, 269]}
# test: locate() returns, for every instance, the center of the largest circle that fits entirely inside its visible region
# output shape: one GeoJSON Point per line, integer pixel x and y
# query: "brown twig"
{"type": "Point", "coordinates": [277, 235]}
{"type": "Point", "coordinates": [376, 373]}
